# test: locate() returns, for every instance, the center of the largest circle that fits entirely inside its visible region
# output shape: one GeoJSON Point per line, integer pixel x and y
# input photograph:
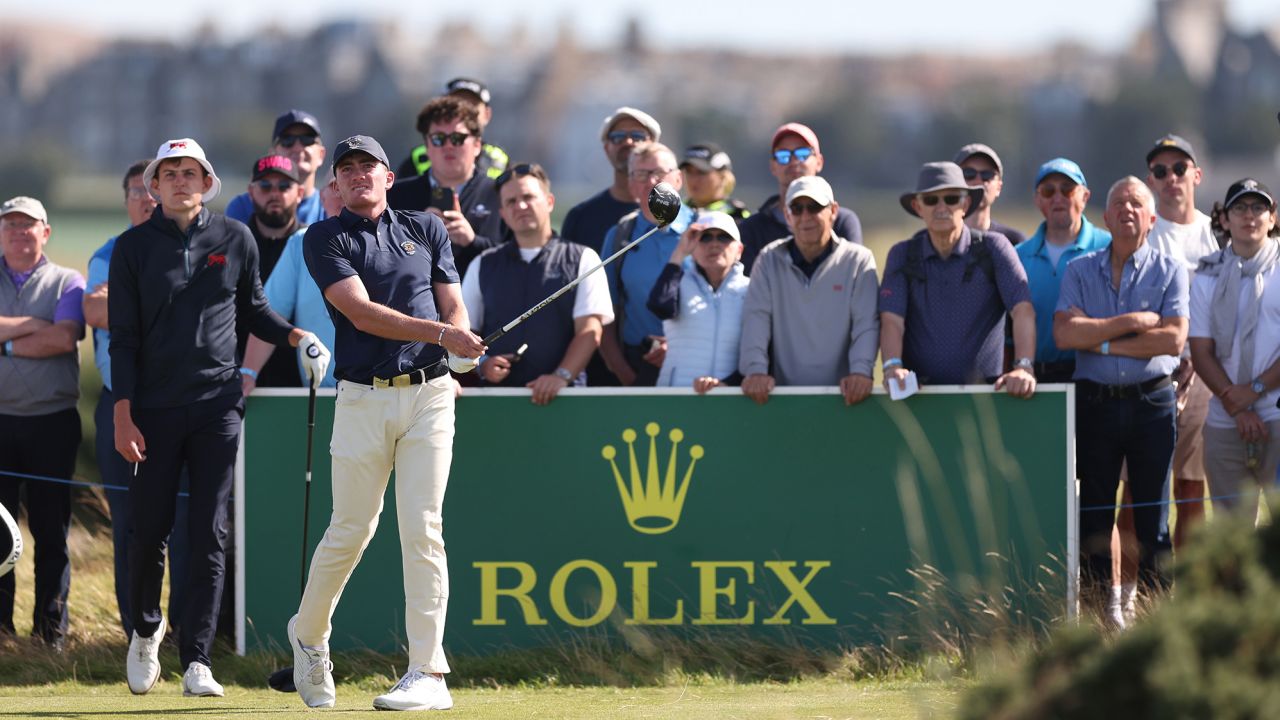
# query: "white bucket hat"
{"type": "Point", "coordinates": [182, 147]}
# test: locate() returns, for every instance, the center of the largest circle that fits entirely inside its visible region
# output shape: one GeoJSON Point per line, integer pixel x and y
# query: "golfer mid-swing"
{"type": "Point", "coordinates": [391, 287]}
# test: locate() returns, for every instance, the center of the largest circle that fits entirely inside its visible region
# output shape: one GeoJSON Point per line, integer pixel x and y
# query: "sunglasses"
{"type": "Point", "coordinates": [646, 175]}
{"type": "Point", "coordinates": [617, 137]}
{"type": "Point", "coordinates": [1253, 208]}
{"type": "Point", "coordinates": [783, 157]}
{"type": "Point", "coordinates": [455, 138]}
{"type": "Point", "coordinates": [1047, 191]}
{"type": "Point", "coordinates": [267, 186]}
{"type": "Point", "coordinates": [137, 193]}
{"type": "Point", "coordinates": [799, 208]}
{"type": "Point", "coordinates": [986, 175]}
{"type": "Point", "coordinates": [1179, 169]}
{"type": "Point", "coordinates": [521, 170]}
{"type": "Point", "coordinates": [710, 236]}
{"type": "Point", "coordinates": [289, 140]}
{"type": "Point", "coordinates": [951, 200]}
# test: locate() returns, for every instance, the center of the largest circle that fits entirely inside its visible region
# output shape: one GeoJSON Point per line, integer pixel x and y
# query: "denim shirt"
{"type": "Point", "coordinates": [1151, 281]}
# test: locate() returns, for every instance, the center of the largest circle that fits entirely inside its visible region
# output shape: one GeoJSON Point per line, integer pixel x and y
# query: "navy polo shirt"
{"type": "Point", "coordinates": [398, 257]}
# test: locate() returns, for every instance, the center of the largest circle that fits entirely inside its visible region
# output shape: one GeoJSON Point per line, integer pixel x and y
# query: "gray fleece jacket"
{"type": "Point", "coordinates": [821, 328]}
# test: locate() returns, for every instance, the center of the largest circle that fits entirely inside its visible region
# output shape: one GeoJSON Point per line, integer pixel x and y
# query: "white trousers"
{"type": "Point", "coordinates": [374, 429]}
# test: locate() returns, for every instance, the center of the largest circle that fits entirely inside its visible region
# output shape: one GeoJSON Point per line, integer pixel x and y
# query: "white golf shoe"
{"type": "Point", "coordinates": [142, 666]}
{"type": "Point", "coordinates": [417, 690]}
{"type": "Point", "coordinates": [198, 681]}
{"type": "Point", "coordinates": [312, 672]}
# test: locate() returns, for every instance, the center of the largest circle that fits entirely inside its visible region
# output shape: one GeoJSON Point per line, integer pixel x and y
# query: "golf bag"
{"type": "Point", "coordinates": [10, 541]}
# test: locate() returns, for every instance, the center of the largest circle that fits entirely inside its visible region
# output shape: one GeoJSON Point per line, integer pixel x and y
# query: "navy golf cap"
{"type": "Point", "coordinates": [1172, 142]}
{"type": "Point", "coordinates": [295, 117]}
{"type": "Point", "coordinates": [359, 143]}
{"type": "Point", "coordinates": [475, 87]}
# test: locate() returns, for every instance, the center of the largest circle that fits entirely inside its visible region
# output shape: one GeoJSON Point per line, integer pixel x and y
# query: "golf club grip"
{"type": "Point", "coordinates": [493, 336]}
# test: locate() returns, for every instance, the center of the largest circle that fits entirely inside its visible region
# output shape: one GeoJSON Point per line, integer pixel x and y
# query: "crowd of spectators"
{"type": "Point", "coordinates": [785, 294]}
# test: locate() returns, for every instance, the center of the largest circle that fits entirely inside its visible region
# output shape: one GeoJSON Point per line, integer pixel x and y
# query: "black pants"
{"type": "Point", "coordinates": [1139, 431]}
{"type": "Point", "coordinates": [43, 445]}
{"type": "Point", "coordinates": [646, 372]}
{"type": "Point", "coordinates": [203, 436]}
{"type": "Point", "coordinates": [115, 471]}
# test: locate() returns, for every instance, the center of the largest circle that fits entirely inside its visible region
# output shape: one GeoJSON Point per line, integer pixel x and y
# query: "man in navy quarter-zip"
{"type": "Point", "coordinates": [179, 281]}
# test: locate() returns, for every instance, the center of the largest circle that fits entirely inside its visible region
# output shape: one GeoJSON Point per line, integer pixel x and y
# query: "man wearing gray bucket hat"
{"type": "Point", "coordinates": [946, 291]}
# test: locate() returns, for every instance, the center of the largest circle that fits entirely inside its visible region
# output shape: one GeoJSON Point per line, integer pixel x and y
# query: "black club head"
{"type": "Point", "coordinates": [664, 203]}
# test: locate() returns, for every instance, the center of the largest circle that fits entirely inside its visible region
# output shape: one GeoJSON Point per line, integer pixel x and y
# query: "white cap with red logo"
{"type": "Point", "coordinates": [180, 148]}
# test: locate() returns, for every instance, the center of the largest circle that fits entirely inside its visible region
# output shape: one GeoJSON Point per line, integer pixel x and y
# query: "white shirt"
{"type": "Point", "coordinates": [1188, 242]}
{"type": "Point", "coordinates": [1266, 344]}
{"type": "Point", "coordinates": [591, 297]}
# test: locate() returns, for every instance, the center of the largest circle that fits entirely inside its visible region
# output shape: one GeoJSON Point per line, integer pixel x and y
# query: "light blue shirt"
{"type": "Point", "coordinates": [293, 294]}
{"type": "Point", "coordinates": [99, 269]}
{"type": "Point", "coordinates": [1151, 281]}
{"type": "Point", "coordinates": [640, 270]}
{"type": "Point", "coordinates": [1045, 280]}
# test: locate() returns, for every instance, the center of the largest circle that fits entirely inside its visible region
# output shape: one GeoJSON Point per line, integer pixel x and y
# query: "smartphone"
{"type": "Point", "coordinates": [442, 198]}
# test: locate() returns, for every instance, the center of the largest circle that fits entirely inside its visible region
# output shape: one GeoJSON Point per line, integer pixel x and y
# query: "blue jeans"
{"type": "Point", "coordinates": [115, 471]}
{"type": "Point", "coordinates": [1141, 431]}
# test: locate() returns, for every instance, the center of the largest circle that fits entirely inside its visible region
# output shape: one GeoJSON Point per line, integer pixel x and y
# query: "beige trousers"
{"type": "Point", "coordinates": [1233, 484]}
{"type": "Point", "coordinates": [375, 429]}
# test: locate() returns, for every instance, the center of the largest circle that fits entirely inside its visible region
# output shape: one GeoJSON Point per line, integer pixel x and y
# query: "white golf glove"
{"type": "Point", "coordinates": [314, 357]}
{"type": "Point", "coordinates": [460, 364]}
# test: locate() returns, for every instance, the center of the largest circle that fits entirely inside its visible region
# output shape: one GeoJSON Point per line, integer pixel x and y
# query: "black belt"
{"type": "Point", "coordinates": [1054, 371]}
{"type": "Point", "coordinates": [413, 377]}
{"type": "Point", "coordinates": [1117, 392]}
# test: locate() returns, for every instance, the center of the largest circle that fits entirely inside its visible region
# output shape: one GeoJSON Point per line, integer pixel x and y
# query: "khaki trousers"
{"type": "Point", "coordinates": [1232, 484]}
{"type": "Point", "coordinates": [374, 429]}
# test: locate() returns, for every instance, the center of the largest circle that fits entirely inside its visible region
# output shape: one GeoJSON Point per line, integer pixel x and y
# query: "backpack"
{"type": "Point", "coordinates": [979, 256]}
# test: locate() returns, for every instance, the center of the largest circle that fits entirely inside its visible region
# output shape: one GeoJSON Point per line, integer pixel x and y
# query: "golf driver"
{"type": "Point", "coordinates": [282, 679]}
{"type": "Point", "coordinates": [664, 205]}
{"type": "Point", "coordinates": [10, 542]}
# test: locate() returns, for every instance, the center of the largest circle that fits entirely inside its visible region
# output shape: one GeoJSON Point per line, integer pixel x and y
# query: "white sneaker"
{"type": "Point", "coordinates": [417, 690]}
{"type": "Point", "coordinates": [142, 666]}
{"type": "Point", "coordinates": [312, 672]}
{"type": "Point", "coordinates": [198, 681]}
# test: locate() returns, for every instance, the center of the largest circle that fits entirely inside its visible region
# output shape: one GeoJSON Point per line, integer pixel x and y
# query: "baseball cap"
{"type": "Point", "coordinates": [359, 143]}
{"type": "Point", "coordinates": [972, 149]}
{"type": "Point", "coordinates": [28, 206]}
{"type": "Point", "coordinates": [1172, 142]}
{"type": "Point", "coordinates": [295, 117]}
{"type": "Point", "coordinates": [278, 164]}
{"type": "Point", "coordinates": [639, 116]}
{"type": "Point", "coordinates": [1238, 189]}
{"type": "Point", "coordinates": [1062, 166]}
{"type": "Point", "coordinates": [706, 157]}
{"type": "Point", "coordinates": [469, 85]}
{"type": "Point", "coordinates": [813, 187]}
{"type": "Point", "coordinates": [795, 128]}
{"type": "Point", "coordinates": [180, 148]}
{"type": "Point", "coordinates": [719, 221]}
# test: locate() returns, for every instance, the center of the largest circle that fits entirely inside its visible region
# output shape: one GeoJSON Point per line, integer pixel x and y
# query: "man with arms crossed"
{"type": "Point", "coordinates": [392, 290]}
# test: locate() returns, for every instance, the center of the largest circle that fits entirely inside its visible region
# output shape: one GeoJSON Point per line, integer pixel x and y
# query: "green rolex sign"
{"type": "Point", "coordinates": [801, 518]}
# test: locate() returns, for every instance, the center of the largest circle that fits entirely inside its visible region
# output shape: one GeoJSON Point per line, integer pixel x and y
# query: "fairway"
{"type": "Point", "coordinates": [710, 699]}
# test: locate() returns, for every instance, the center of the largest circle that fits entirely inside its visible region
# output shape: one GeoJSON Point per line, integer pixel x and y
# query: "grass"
{"type": "Point", "coordinates": [572, 681]}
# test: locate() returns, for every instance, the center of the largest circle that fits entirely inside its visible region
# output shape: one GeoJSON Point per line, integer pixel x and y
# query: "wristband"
{"type": "Point", "coordinates": [1105, 348]}
{"type": "Point", "coordinates": [440, 340]}
{"type": "Point", "coordinates": [8, 348]}
{"type": "Point", "coordinates": [891, 362]}
{"type": "Point", "coordinates": [250, 373]}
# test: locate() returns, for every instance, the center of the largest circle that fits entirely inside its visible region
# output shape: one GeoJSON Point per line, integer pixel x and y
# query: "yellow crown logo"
{"type": "Point", "coordinates": [653, 504]}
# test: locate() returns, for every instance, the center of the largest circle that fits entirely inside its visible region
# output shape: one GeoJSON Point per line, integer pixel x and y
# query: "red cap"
{"type": "Point", "coordinates": [794, 128]}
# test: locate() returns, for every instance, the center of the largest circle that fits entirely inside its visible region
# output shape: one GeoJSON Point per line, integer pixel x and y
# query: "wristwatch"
{"type": "Point", "coordinates": [564, 375]}
{"type": "Point", "coordinates": [1025, 363]}
{"type": "Point", "coordinates": [1257, 387]}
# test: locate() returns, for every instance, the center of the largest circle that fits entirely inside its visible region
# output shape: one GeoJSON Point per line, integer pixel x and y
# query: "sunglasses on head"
{"type": "Point", "coordinates": [986, 175]}
{"type": "Point", "coordinates": [1047, 191]}
{"type": "Point", "coordinates": [783, 157]}
{"type": "Point", "coordinates": [268, 186]}
{"type": "Point", "coordinates": [710, 236]}
{"type": "Point", "coordinates": [952, 200]}
{"type": "Point", "coordinates": [617, 137]}
{"type": "Point", "coordinates": [288, 140]}
{"type": "Point", "coordinates": [801, 207]}
{"type": "Point", "coordinates": [455, 138]}
{"type": "Point", "coordinates": [1160, 172]}
{"type": "Point", "coordinates": [521, 170]}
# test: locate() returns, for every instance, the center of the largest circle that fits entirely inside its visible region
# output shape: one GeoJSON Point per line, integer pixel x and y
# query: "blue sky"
{"type": "Point", "coordinates": [859, 26]}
